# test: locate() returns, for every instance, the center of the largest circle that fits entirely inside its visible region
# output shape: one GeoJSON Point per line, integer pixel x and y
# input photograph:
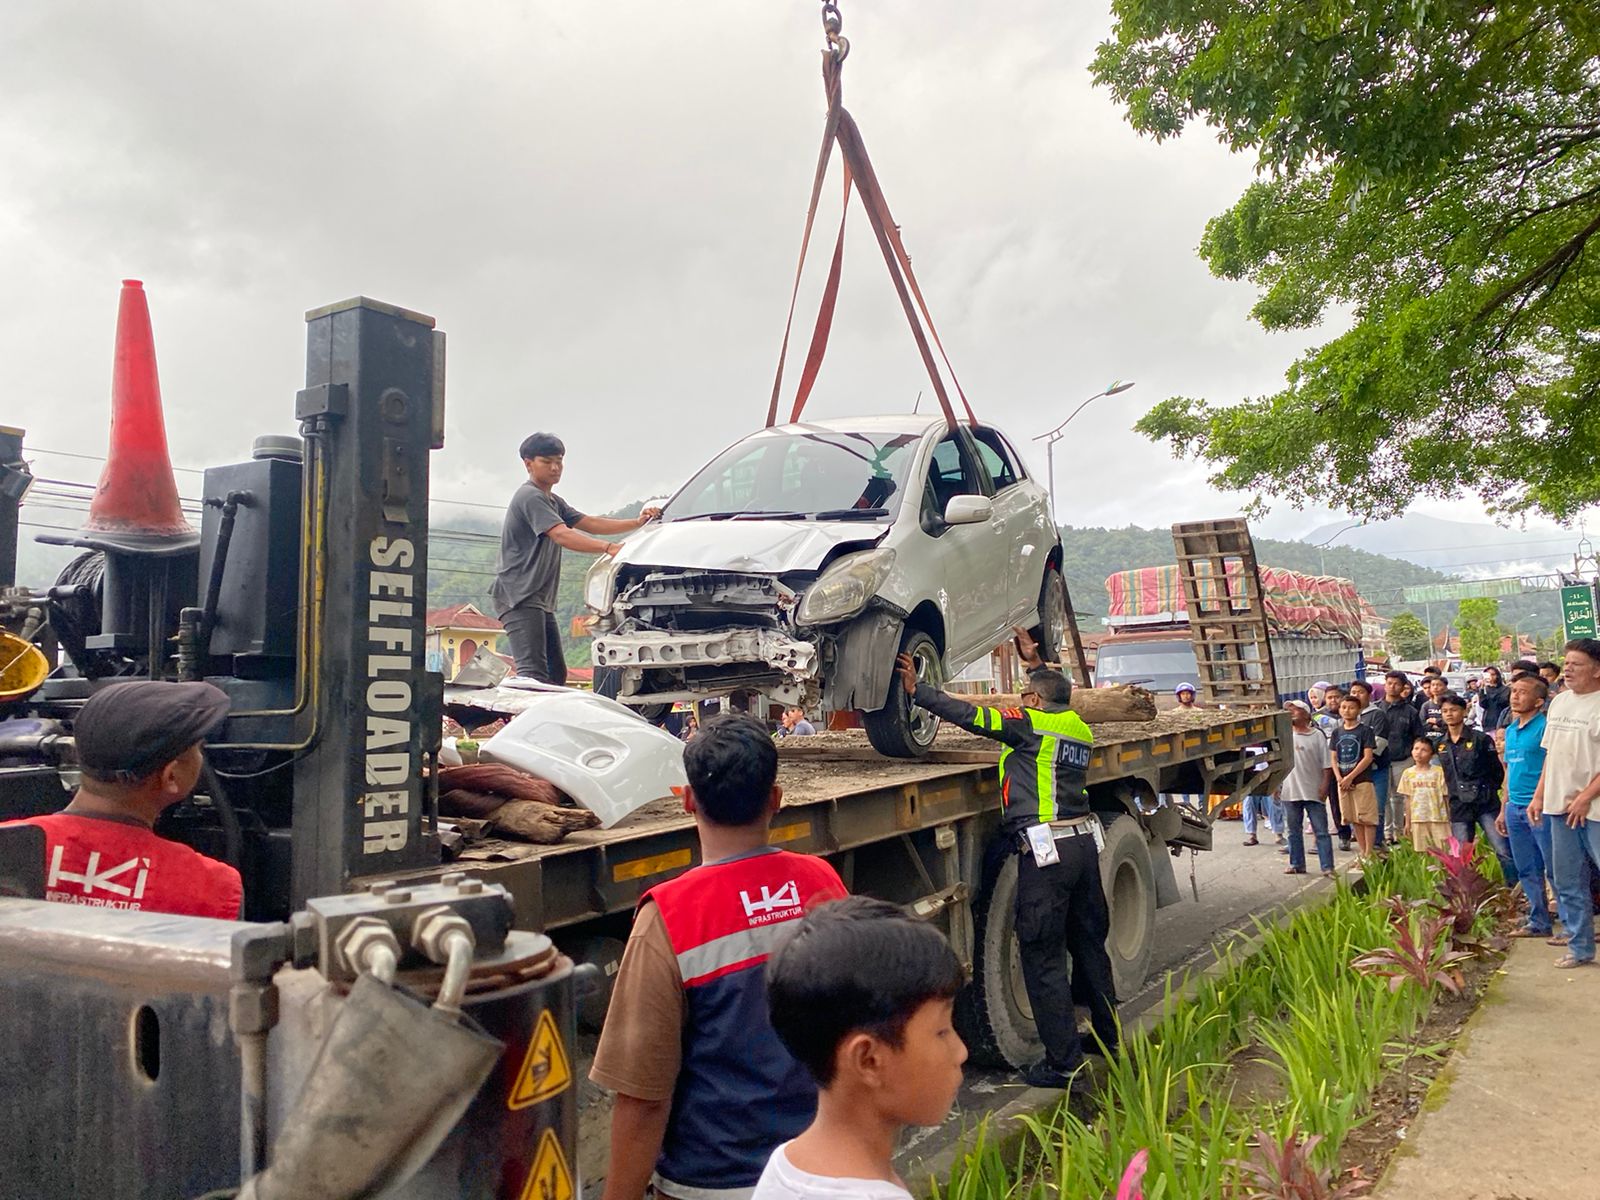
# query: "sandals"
{"type": "Point", "coordinates": [1251, 841]}
{"type": "Point", "coordinates": [1559, 939]}
{"type": "Point", "coordinates": [1522, 931]}
{"type": "Point", "coordinates": [1566, 962]}
{"type": "Point", "coordinates": [1294, 870]}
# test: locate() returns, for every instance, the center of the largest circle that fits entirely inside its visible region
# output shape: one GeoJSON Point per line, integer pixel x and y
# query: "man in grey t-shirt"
{"type": "Point", "coordinates": [538, 525]}
{"type": "Point", "coordinates": [1304, 792]}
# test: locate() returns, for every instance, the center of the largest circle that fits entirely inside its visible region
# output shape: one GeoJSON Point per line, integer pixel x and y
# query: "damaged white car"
{"type": "Point", "coordinates": [801, 560]}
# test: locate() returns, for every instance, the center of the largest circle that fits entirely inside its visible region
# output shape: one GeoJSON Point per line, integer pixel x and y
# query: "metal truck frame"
{"type": "Point", "coordinates": [329, 754]}
{"type": "Point", "coordinates": [920, 834]}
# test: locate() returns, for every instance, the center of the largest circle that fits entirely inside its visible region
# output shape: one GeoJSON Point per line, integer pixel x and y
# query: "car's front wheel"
{"type": "Point", "coordinates": [900, 729]}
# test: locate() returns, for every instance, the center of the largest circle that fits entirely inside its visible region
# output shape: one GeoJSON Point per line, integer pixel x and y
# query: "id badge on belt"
{"type": "Point", "coordinates": [1042, 844]}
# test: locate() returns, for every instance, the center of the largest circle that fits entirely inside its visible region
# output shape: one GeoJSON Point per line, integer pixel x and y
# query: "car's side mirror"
{"type": "Point", "coordinates": [968, 510]}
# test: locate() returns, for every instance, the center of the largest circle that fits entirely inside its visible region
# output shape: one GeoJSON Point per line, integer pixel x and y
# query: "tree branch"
{"type": "Point", "coordinates": [1555, 265]}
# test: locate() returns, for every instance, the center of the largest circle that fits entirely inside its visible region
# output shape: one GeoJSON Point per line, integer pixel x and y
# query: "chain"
{"type": "Point", "coordinates": [832, 25]}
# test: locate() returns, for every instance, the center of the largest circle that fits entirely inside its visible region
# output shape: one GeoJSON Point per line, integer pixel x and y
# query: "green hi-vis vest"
{"type": "Point", "coordinates": [1044, 766]}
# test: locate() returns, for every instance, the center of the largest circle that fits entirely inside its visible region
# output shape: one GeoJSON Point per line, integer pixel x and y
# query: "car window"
{"type": "Point", "coordinates": [950, 473]}
{"type": "Point", "coordinates": [997, 457]}
{"type": "Point", "coordinates": [806, 473]}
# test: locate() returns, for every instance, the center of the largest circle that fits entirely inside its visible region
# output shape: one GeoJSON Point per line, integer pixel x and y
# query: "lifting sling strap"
{"type": "Point", "coordinates": [841, 127]}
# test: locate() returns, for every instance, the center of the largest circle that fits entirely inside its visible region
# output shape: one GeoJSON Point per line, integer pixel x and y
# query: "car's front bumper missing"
{"type": "Point", "coordinates": [659, 667]}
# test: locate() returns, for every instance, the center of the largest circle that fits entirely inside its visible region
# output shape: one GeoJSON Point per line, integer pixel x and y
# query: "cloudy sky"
{"type": "Point", "coordinates": [601, 203]}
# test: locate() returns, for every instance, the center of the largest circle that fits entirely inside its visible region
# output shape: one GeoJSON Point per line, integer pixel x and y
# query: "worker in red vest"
{"type": "Point", "coordinates": [138, 747]}
{"type": "Point", "coordinates": [705, 1090]}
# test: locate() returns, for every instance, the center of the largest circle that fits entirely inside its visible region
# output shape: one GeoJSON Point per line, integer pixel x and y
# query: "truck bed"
{"type": "Point", "coordinates": [839, 794]}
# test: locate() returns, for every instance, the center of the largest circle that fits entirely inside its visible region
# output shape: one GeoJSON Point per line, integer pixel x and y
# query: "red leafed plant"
{"type": "Point", "coordinates": [1284, 1171]}
{"type": "Point", "coordinates": [1133, 1177]}
{"type": "Point", "coordinates": [1464, 892]}
{"type": "Point", "coordinates": [1421, 955]}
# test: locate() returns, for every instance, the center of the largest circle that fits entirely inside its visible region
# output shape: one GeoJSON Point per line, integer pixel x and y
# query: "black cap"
{"type": "Point", "coordinates": [139, 726]}
{"type": "Point", "coordinates": [541, 445]}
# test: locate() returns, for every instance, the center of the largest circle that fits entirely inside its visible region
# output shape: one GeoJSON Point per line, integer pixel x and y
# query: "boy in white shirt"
{"type": "Point", "coordinates": [861, 994]}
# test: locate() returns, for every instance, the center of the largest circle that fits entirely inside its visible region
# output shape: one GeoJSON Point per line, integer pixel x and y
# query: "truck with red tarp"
{"type": "Point", "coordinates": [1314, 622]}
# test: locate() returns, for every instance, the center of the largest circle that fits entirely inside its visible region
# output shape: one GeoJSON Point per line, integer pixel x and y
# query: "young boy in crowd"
{"type": "Point", "coordinates": [1352, 747]}
{"type": "Point", "coordinates": [1428, 800]}
{"type": "Point", "coordinates": [861, 994]}
{"type": "Point", "coordinates": [1327, 719]}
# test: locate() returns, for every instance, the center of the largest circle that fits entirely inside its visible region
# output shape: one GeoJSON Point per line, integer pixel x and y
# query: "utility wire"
{"type": "Point", "coordinates": [100, 458]}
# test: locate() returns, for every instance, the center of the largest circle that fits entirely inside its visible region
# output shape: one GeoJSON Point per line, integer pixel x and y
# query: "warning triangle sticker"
{"type": "Point", "coordinates": [546, 1071]}
{"type": "Point", "coordinates": [550, 1179]}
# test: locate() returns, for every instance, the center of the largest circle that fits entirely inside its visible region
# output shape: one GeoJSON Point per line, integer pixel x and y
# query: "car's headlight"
{"type": "Point", "coordinates": [844, 588]}
{"type": "Point", "coordinates": [598, 585]}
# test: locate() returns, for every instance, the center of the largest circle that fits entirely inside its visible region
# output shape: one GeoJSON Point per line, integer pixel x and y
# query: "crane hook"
{"type": "Point", "coordinates": [832, 26]}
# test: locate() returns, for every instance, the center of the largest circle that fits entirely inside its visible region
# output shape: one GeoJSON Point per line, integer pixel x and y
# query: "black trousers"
{"type": "Point", "coordinates": [1062, 917]}
{"type": "Point", "coordinates": [536, 644]}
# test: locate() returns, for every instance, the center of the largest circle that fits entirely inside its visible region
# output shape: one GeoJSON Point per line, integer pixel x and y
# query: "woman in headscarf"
{"type": "Point", "coordinates": [1314, 695]}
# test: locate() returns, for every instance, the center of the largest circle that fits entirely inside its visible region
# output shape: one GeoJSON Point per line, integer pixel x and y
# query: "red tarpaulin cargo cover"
{"type": "Point", "coordinates": [1316, 605]}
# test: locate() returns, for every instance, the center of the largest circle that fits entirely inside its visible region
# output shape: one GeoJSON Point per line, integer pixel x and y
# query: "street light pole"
{"type": "Point", "coordinates": [1053, 436]}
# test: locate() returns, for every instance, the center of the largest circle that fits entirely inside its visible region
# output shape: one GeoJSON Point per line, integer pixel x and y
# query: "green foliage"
{"type": "Point", "coordinates": [1327, 1031]}
{"type": "Point", "coordinates": [1408, 636]}
{"type": "Point", "coordinates": [1433, 170]}
{"type": "Point", "coordinates": [1480, 631]}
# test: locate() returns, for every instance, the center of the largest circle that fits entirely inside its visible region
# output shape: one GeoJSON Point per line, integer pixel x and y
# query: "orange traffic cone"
{"type": "Point", "coordinates": [135, 505]}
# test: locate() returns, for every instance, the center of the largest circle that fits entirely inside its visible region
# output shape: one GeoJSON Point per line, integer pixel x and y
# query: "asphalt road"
{"type": "Point", "coordinates": [1236, 884]}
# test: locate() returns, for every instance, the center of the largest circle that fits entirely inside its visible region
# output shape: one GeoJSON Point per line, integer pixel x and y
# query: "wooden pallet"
{"type": "Point", "coordinates": [1227, 613]}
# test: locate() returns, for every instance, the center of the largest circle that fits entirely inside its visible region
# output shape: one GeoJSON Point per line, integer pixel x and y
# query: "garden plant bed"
{"type": "Point", "coordinates": [1330, 1030]}
{"type": "Point", "coordinates": [1370, 1146]}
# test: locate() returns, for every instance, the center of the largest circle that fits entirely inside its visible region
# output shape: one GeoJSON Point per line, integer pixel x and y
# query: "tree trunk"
{"type": "Point", "coordinates": [1125, 702]}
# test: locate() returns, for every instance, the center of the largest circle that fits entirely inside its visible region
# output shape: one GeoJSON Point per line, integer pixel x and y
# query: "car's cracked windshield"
{"type": "Point", "coordinates": [821, 475]}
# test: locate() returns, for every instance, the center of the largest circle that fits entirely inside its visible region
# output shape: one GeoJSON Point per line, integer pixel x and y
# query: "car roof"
{"type": "Point", "coordinates": [915, 423]}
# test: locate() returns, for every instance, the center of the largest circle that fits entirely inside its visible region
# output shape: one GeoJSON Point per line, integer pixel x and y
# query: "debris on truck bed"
{"type": "Point", "coordinates": [512, 803]}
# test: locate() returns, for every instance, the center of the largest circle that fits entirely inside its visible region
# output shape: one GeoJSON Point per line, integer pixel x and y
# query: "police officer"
{"type": "Point", "coordinates": [1046, 821]}
{"type": "Point", "coordinates": [138, 748]}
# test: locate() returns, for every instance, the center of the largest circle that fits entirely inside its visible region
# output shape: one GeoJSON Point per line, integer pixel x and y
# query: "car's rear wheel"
{"type": "Point", "coordinates": [900, 729]}
{"type": "Point", "coordinates": [1051, 631]}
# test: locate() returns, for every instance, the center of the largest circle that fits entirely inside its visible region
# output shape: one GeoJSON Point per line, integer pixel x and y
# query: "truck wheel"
{"type": "Point", "coordinates": [1051, 631]}
{"type": "Point", "coordinates": [993, 1014]}
{"type": "Point", "coordinates": [606, 954]}
{"type": "Point", "coordinates": [900, 729]}
{"type": "Point", "coordinates": [1130, 884]}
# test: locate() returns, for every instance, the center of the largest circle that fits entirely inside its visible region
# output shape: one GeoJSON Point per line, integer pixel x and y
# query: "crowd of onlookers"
{"type": "Point", "coordinates": [1514, 761]}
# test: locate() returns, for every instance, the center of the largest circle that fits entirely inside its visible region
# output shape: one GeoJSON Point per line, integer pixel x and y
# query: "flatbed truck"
{"type": "Point", "coordinates": [920, 834]}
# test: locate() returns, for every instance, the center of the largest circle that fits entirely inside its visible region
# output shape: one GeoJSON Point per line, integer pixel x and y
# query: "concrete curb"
{"type": "Point", "coordinates": [1003, 1123]}
{"type": "Point", "coordinates": [1439, 1090]}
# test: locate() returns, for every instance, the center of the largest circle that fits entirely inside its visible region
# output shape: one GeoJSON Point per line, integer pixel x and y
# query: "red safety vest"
{"type": "Point", "coordinates": [109, 864]}
{"type": "Point", "coordinates": [739, 1092]}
